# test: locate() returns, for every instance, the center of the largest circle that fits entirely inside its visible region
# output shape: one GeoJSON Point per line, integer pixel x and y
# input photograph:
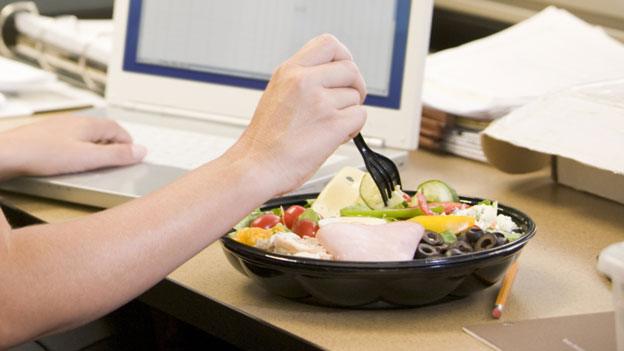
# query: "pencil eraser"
{"type": "Point", "coordinates": [496, 312]}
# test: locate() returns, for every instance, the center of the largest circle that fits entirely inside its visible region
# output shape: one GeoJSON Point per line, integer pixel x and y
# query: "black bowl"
{"type": "Point", "coordinates": [376, 284]}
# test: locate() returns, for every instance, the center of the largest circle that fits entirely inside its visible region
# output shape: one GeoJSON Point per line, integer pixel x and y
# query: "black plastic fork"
{"type": "Point", "coordinates": [384, 172]}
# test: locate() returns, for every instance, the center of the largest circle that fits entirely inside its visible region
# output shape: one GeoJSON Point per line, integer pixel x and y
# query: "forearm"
{"type": "Point", "coordinates": [64, 274]}
{"type": "Point", "coordinates": [55, 276]}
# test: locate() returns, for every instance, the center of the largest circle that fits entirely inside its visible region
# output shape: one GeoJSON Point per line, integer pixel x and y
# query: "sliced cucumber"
{"type": "Point", "coordinates": [437, 191]}
{"type": "Point", "coordinates": [369, 192]}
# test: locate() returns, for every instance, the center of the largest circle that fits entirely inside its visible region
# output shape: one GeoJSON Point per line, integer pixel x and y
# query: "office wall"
{"type": "Point", "coordinates": [613, 8]}
{"type": "Point", "coordinates": [81, 8]}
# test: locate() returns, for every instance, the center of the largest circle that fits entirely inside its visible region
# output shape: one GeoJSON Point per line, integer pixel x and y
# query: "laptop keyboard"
{"type": "Point", "coordinates": [183, 149]}
{"type": "Point", "coordinates": [177, 148]}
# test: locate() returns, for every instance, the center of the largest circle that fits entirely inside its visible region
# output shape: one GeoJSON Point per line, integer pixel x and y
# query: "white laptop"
{"type": "Point", "coordinates": [185, 78]}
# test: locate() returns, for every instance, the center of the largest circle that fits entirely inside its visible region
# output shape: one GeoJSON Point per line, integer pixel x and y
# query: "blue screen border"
{"type": "Point", "coordinates": [393, 100]}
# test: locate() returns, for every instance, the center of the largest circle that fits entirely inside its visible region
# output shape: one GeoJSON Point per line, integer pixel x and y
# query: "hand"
{"type": "Point", "coordinates": [312, 105]}
{"type": "Point", "coordinates": [66, 144]}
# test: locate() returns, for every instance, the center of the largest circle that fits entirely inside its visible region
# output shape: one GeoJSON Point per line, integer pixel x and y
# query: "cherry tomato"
{"type": "Point", "coordinates": [266, 221]}
{"type": "Point", "coordinates": [305, 227]}
{"type": "Point", "coordinates": [291, 214]}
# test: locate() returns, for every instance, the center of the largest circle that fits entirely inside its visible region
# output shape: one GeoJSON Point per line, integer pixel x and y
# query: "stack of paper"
{"type": "Point", "coordinates": [488, 78]}
{"type": "Point", "coordinates": [92, 38]}
{"type": "Point", "coordinates": [434, 125]}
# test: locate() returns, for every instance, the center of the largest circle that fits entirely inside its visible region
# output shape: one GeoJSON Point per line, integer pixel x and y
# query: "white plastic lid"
{"type": "Point", "coordinates": [611, 261]}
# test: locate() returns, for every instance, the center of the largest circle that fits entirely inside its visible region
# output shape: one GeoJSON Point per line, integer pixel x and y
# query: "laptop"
{"type": "Point", "coordinates": [186, 76]}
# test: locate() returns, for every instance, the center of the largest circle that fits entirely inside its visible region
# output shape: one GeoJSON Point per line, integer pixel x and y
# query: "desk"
{"type": "Point", "coordinates": [557, 273]}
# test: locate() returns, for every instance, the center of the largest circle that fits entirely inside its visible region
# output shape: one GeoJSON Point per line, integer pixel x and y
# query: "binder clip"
{"type": "Point", "coordinates": [84, 68]}
{"type": "Point", "coordinates": [6, 13]}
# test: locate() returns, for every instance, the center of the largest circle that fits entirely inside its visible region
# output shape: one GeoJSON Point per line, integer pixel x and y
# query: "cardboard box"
{"type": "Point", "coordinates": [578, 132]}
{"type": "Point", "coordinates": [589, 179]}
{"type": "Point", "coordinates": [565, 171]}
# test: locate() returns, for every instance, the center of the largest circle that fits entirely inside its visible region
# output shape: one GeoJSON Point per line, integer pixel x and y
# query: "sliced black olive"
{"type": "Point", "coordinates": [501, 239]}
{"type": "Point", "coordinates": [486, 241]}
{"type": "Point", "coordinates": [425, 250]}
{"type": "Point", "coordinates": [462, 237]}
{"type": "Point", "coordinates": [433, 238]}
{"type": "Point", "coordinates": [461, 246]}
{"type": "Point", "coordinates": [454, 252]}
{"type": "Point", "coordinates": [442, 248]}
{"type": "Point", "coordinates": [473, 234]}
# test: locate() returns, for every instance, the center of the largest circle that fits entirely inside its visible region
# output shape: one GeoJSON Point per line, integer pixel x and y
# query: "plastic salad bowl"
{"type": "Point", "coordinates": [377, 284]}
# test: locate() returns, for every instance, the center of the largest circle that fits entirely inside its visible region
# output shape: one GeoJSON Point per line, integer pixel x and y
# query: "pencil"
{"type": "Point", "coordinates": [505, 288]}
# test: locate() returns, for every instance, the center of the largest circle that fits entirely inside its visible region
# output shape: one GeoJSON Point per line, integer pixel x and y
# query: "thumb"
{"type": "Point", "coordinates": [119, 154]}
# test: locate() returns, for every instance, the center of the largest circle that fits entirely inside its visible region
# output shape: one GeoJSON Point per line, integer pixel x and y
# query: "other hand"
{"type": "Point", "coordinates": [66, 144]}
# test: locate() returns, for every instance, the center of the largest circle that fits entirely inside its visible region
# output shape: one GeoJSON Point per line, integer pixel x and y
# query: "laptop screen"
{"type": "Point", "coordinates": [240, 42]}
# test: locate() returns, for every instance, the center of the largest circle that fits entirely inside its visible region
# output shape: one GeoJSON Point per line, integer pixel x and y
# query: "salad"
{"type": "Point", "coordinates": [349, 221]}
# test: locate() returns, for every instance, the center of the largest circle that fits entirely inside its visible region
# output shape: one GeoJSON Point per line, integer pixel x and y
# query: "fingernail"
{"type": "Point", "coordinates": [138, 151]}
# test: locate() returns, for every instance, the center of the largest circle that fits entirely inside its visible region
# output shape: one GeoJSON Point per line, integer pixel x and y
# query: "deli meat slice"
{"type": "Point", "coordinates": [395, 241]}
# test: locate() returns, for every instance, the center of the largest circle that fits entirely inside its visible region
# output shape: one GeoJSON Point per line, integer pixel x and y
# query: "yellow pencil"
{"type": "Point", "coordinates": [505, 288]}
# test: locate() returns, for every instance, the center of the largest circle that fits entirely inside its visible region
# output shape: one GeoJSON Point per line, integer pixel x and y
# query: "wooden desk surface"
{"type": "Point", "coordinates": [557, 273]}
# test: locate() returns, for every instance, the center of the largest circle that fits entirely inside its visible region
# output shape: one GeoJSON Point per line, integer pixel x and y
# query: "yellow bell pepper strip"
{"type": "Point", "coordinates": [441, 224]}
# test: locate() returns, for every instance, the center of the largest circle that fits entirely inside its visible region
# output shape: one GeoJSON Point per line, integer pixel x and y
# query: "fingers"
{"type": "Point", "coordinates": [99, 156]}
{"type": "Point", "coordinates": [103, 130]}
{"type": "Point", "coordinates": [321, 49]}
{"type": "Point", "coordinates": [343, 97]}
{"type": "Point", "coordinates": [326, 61]}
{"type": "Point", "coordinates": [340, 74]}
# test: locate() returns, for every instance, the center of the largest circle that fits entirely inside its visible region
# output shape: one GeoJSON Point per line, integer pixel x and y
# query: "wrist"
{"type": "Point", "coordinates": [10, 163]}
{"type": "Point", "coordinates": [254, 167]}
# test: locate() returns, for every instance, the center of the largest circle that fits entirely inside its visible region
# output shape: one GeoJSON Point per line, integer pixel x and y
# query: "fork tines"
{"type": "Point", "coordinates": [383, 171]}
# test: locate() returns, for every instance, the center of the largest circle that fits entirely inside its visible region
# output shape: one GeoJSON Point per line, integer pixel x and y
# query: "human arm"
{"type": "Point", "coordinates": [61, 275]}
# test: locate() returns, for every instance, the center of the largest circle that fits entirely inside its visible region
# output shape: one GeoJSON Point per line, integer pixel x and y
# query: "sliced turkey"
{"type": "Point", "coordinates": [396, 241]}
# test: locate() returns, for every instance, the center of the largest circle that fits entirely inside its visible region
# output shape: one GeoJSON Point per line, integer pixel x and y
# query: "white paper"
{"type": "Point", "coordinates": [464, 143]}
{"type": "Point", "coordinates": [550, 51]}
{"type": "Point", "coordinates": [585, 124]}
{"type": "Point", "coordinates": [49, 97]}
{"type": "Point", "coordinates": [16, 76]}
{"type": "Point", "coordinates": [15, 110]}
